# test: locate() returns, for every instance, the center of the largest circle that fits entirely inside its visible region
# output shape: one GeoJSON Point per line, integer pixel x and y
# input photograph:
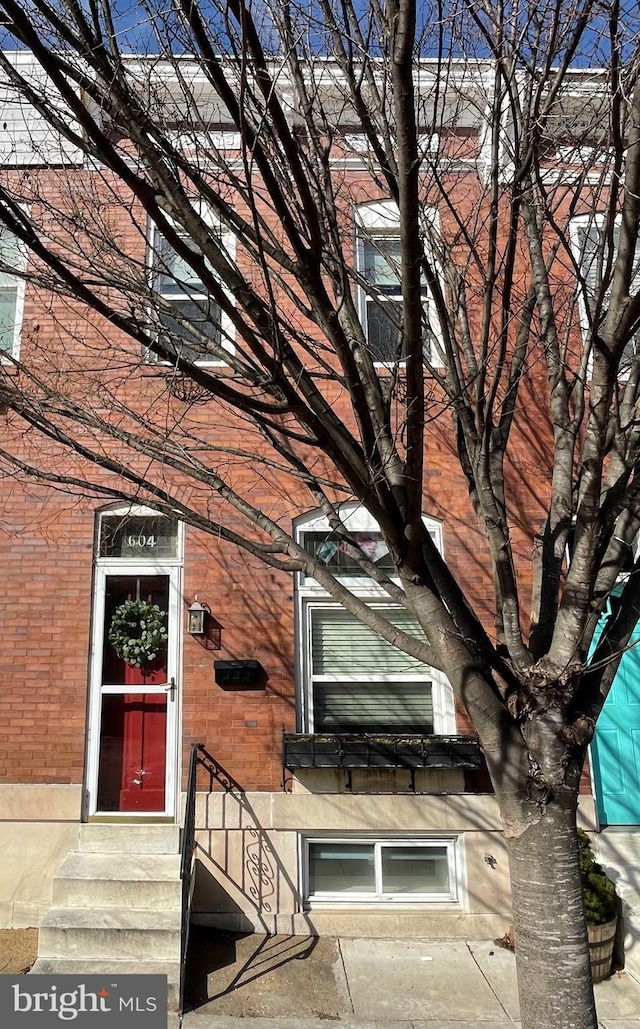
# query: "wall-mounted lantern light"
{"type": "Point", "coordinates": [196, 617]}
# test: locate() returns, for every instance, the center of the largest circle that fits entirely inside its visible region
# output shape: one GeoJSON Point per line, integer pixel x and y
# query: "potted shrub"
{"type": "Point", "coordinates": [601, 910]}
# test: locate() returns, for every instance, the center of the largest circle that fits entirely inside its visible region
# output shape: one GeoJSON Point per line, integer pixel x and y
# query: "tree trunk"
{"type": "Point", "coordinates": [552, 952]}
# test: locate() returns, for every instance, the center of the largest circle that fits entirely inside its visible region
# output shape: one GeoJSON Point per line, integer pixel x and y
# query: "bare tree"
{"type": "Point", "coordinates": [250, 342]}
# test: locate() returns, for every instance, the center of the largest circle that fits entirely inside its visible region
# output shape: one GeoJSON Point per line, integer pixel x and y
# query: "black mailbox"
{"type": "Point", "coordinates": [239, 675]}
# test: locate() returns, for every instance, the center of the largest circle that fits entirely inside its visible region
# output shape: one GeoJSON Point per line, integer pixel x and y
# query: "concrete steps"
{"type": "Point", "coordinates": [118, 933]}
{"type": "Point", "coordinates": [99, 838]}
{"type": "Point", "coordinates": [118, 880]}
{"type": "Point", "coordinates": [118, 967]}
{"type": "Point", "coordinates": [116, 905]}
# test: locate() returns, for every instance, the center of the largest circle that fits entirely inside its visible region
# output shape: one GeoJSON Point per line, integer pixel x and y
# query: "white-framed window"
{"type": "Point", "coordinates": [194, 322]}
{"type": "Point", "coordinates": [350, 679]}
{"type": "Point", "coordinates": [378, 261]}
{"type": "Point", "coordinates": [357, 682]}
{"type": "Point", "coordinates": [394, 871]}
{"type": "Point", "coordinates": [592, 251]}
{"type": "Point", "coordinates": [13, 255]}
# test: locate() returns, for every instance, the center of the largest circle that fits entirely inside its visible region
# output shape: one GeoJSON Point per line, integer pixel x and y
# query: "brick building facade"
{"type": "Point", "coordinates": [292, 836]}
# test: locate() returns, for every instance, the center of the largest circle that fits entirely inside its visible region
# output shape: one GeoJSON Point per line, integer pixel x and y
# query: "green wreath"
{"type": "Point", "coordinates": [137, 631]}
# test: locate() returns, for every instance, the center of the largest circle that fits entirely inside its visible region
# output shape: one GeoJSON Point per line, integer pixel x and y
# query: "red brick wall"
{"type": "Point", "coordinates": [46, 541]}
{"type": "Point", "coordinates": [45, 589]}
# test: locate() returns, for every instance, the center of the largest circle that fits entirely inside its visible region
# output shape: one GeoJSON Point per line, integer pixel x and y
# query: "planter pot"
{"type": "Point", "coordinates": [354, 754]}
{"type": "Point", "coordinates": [410, 755]}
{"type": "Point", "coordinates": [382, 755]}
{"type": "Point", "coordinates": [601, 942]}
{"type": "Point", "coordinates": [311, 752]}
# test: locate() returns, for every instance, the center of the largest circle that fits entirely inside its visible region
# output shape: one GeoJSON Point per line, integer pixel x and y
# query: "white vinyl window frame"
{"type": "Point", "coordinates": [378, 224]}
{"type": "Point", "coordinates": [13, 288]}
{"type": "Point", "coordinates": [318, 683]}
{"type": "Point", "coordinates": [311, 597]}
{"type": "Point", "coordinates": [577, 226]}
{"type": "Point", "coordinates": [379, 896]}
{"type": "Point", "coordinates": [359, 143]}
{"type": "Point", "coordinates": [225, 326]}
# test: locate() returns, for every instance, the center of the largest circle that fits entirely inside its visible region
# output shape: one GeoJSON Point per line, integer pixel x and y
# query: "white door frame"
{"type": "Point", "coordinates": [145, 569]}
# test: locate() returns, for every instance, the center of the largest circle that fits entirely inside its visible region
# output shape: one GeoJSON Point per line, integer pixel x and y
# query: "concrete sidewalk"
{"type": "Point", "coordinates": [288, 982]}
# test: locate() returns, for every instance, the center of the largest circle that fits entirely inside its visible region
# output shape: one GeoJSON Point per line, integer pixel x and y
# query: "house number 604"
{"type": "Point", "coordinates": [142, 541]}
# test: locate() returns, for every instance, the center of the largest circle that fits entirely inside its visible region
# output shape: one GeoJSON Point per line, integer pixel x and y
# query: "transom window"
{"type": "Point", "coordinates": [13, 256]}
{"type": "Point", "coordinates": [335, 551]}
{"type": "Point", "coordinates": [138, 534]}
{"type": "Point", "coordinates": [336, 554]}
{"type": "Point", "coordinates": [348, 870]}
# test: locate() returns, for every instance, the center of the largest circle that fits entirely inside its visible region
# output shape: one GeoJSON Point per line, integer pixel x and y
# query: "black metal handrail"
{"type": "Point", "coordinates": [186, 861]}
{"type": "Point", "coordinates": [217, 773]}
{"type": "Point", "coordinates": [199, 755]}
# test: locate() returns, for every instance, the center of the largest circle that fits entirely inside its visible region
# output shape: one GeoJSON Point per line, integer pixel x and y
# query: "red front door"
{"type": "Point", "coordinates": [133, 728]}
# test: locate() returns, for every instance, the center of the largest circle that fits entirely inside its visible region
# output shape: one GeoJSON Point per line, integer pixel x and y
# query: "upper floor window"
{"type": "Point", "coordinates": [196, 327]}
{"type": "Point", "coordinates": [13, 255]}
{"type": "Point", "coordinates": [379, 261]}
{"type": "Point", "coordinates": [595, 260]}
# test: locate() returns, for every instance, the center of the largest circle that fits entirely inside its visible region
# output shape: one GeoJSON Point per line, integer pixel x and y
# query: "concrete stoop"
{"type": "Point", "coordinates": [116, 906]}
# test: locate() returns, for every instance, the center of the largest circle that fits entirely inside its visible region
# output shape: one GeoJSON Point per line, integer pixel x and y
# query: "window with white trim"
{"type": "Point", "coordinates": [395, 871]}
{"type": "Point", "coordinates": [591, 249]}
{"type": "Point", "coordinates": [13, 257]}
{"type": "Point", "coordinates": [379, 260]}
{"type": "Point", "coordinates": [194, 322]}
{"type": "Point", "coordinates": [351, 679]}
{"type": "Point", "coordinates": [360, 683]}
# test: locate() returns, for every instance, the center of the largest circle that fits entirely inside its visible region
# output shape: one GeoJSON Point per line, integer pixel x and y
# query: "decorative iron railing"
{"type": "Point", "coordinates": [199, 755]}
{"type": "Point", "coordinates": [186, 861]}
{"type": "Point", "coordinates": [216, 772]}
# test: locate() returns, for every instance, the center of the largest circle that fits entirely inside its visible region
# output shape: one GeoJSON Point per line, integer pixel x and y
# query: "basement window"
{"type": "Point", "coordinates": [395, 871]}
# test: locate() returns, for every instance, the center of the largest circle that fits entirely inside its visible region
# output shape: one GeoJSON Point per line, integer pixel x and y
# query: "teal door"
{"type": "Point", "coordinates": [615, 750]}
